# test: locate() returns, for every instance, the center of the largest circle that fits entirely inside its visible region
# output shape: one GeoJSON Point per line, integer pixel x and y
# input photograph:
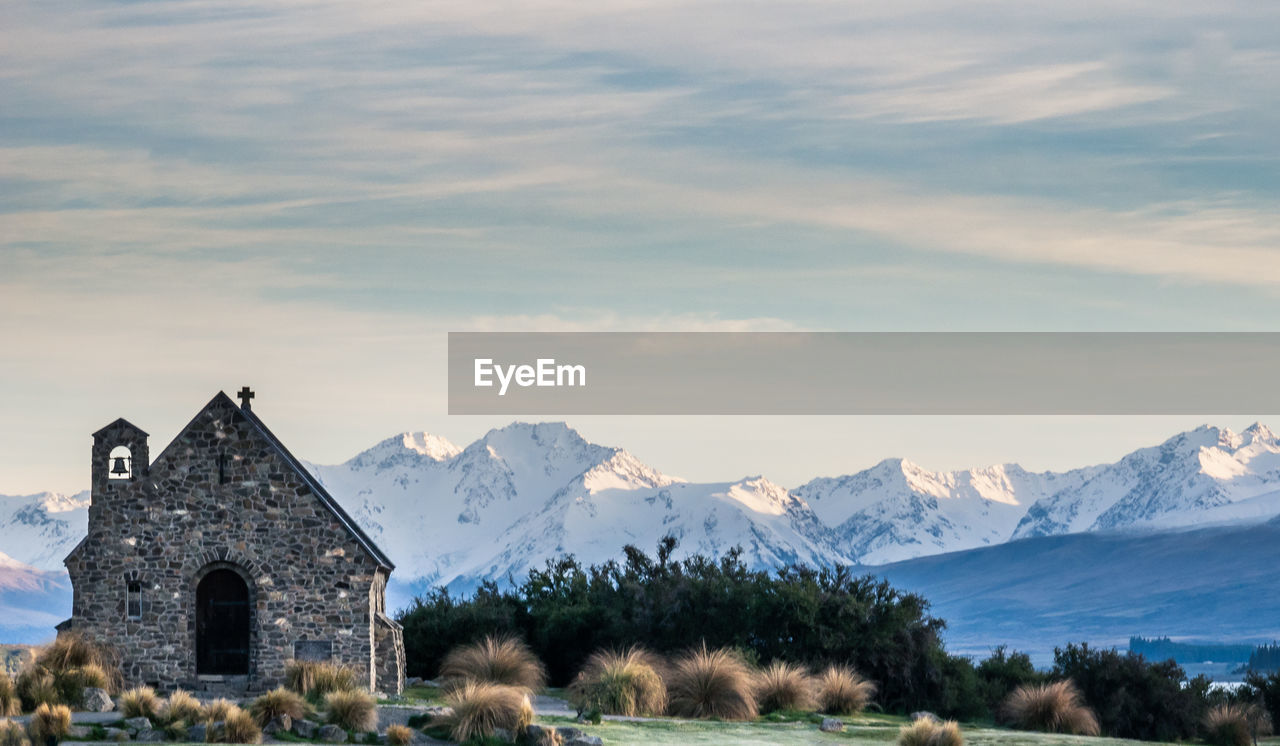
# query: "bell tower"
{"type": "Point", "coordinates": [120, 456]}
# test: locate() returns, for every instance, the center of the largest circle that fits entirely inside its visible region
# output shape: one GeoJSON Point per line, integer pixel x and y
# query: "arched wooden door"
{"type": "Point", "coordinates": [223, 622]}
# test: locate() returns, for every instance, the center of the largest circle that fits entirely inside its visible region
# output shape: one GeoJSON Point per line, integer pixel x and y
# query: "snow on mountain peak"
{"type": "Point", "coordinates": [431, 446]}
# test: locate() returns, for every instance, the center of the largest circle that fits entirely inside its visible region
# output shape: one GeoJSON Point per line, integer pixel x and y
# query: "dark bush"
{"type": "Point", "coordinates": [799, 614]}
{"type": "Point", "coordinates": [1001, 673]}
{"type": "Point", "coordinates": [1133, 697]}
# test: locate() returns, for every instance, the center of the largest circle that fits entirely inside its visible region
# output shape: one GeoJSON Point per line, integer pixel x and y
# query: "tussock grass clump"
{"type": "Point", "coordinates": [10, 703]}
{"type": "Point", "coordinates": [783, 686]}
{"type": "Point", "coordinates": [352, 710]}
{"type": "Point", "coordinates": [1053, 708]}
{"type": "Point", "coordinates": [240, 727]}
{"type": "Point", "coordinates": [620, 683]}
{"type": "Point", "coordinates": [140, 702]}
{"type": "Point", "coordinates": [399, 735]}
{"type": "Point", "coordinates": [49, 723]}
{"type": "Point", "coordinates": [1235, 725]}
{"type": "Point", "coordinates": [495, 660]}
{"type": "Point", "coordinates": [13, 734]}
{"type": "Point", "coordinates": [277, 702]}
{"type": "Point", "coordinates": [315, 679]}
{"type": "Point", "coordinates": [36, 686]}
{"type": "Point", "coordinates": [480, 708]}
{"type": "Point", "coordinates": [72, 682]}
{"type": "Point", "coordinates": [711, 684]}
{"type": "Point", "coordinates": [219, 710]}
{"type": "Point", "coordinates": [76, 649]}
{"type": "Point", "coordinates": [925, 732]}
{"type": "Point", "coordinates": [182, 707]}
{"type": "Point", "coordinates": [841, 691]}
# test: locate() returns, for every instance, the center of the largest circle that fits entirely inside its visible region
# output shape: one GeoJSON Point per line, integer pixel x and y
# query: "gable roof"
{"type": "Point", "coordinates": [120, 422]}
{"type": "Point", "coordinates": [318, 489]}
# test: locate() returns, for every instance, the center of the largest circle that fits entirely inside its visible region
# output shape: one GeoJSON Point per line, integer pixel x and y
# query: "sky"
{"type": "Point", "coordinates": [307, 196]}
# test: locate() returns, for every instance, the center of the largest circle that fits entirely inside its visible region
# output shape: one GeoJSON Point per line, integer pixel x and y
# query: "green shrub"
{"type": "Point", "coordinates": [481, 708]}
{"type": "Point", "coordinates": [1001, 673]}
{"type": "Point", "coordinates": [1051, 708]}
{"type": "Point", "coordinates": [139, 702]}
{"type": "Point", "coordinates": [1132, 697]}
{"type": "Point", "coordinates": [495, 660]}
{"type": "Point", "coordinates": [626, 683]}
{"type": "Point", "coordinates": [926, 732]}
{"type": "Point", "coordinates": [352, 710]}
{"type": "Point", "coordinates": [49, 724]}
{"type": "Point", "coordinates": [707, 683]}
{"type": "Point", "coordinates": [841, 691]}
{"type": "Point", "coordinates": [785, 687]}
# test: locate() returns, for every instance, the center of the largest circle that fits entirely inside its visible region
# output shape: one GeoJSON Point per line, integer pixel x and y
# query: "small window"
{"type": "Point", "coordinates": [133, 600]}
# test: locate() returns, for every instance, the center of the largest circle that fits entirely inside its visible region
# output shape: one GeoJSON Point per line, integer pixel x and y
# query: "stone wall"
{"type": "Point", "coordinates": [220, 495]}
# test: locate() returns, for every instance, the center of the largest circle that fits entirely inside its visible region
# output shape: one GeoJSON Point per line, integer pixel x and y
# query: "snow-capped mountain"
{"type": "Point", "coordinates": [524, 493]}
{"type": "Point", "coordinates": [1207, 475]}
{"type": "Point", "coordinates": [39, 530]}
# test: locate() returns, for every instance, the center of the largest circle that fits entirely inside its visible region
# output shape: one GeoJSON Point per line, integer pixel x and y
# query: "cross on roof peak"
{"type": "Point", "coordinates": [245, 395]}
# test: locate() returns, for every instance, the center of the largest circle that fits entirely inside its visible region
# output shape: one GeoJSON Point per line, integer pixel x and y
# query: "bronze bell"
{"type": "Point", "coordinates": [118, 467]}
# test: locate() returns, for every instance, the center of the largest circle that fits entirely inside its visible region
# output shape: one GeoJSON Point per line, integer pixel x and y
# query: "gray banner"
{"type": "Point", "coordinates": [863, 373]}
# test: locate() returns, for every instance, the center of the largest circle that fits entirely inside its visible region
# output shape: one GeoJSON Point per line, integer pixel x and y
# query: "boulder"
{"type": "Point", "coordinates": [279, 724]}
{"type": "Point", "coordinates": [332, 734]}
{"type": "Point", "coordinates": [96, 700]}
{"type": "Point", "coordinates": [137, 725]}
{"type": "Point", "coordinates": [831, 725]}
{"type": "Point", "coordinates": [306, 728]}
{"type": "Point", "coordinates": [197, 733]}
{"type": "Point", "coordinates": [413, 681]}
{"type": "Point", "coordinates": [584, 740]}
{"type": "Point", "coordinates": [79, 733]}
{"type": "Point", "coordinates": [438, 711]}
{"type": "Point", "coordinates": [150, 736]}
{"type": "Point", "coordinates": [925, 715]}
{"type": "Point", "coordinates": [566, 732]}
{"type": "Point", "coordinates": [502, 734]}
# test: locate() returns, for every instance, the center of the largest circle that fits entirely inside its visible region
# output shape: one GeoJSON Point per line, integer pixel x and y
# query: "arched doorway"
{"type": "Point", "coordinates": [223, 624]}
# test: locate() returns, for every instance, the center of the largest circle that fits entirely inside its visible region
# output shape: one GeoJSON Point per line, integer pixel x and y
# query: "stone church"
{"type": "Point", "coordinates": [211, 566]}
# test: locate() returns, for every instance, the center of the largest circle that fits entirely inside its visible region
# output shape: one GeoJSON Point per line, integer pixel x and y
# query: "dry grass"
{"type": "Point", "coordinates": [495, 660]}
{"type": "Point", "coordinates": [219, 710]}
{"type": "Point", "coordinates": [181, 707]}
{"type": "Point", "coordinates": [480, 708]}
{"type": "Point", "coordinates": [352, 710]}
{"type": "Point", "coordinates": [399, 735]}
{"type": "Point", "coordinates": [72, 650]}
{"type": "Point", "coordinates": [37, 686]}
{"type": "Point", "coordinates": [315, 679]}
{"type": "Point", "coordinates": [925, 732]}
{"type": "Point", "coordinates": [240, 727]}
{"type": "Point", "coordinates": [72, 682]}
{"type": "Point", "coordinates": [277, 702]}
{"type": "Point", "coordinates": [1051, 708]}
{"type": "Point", "coordinates": [139, 702]}
{"type": "Point", "coordinates": [49, 723]}
{"type": "Point", "coordinates": [841, 691]}
{"type": "Point", "coordinates": [711, 684]}
{"type": "Point", "coordinates": [10, 703]}
{"type": "Point", "coordinates": [783, 686]}
{"type": "Point", "coordinates": [1235, 725]}
{"type": "Point", "coordinates": [13, 734]}
{"type": "Point", "coordinates": [626, 683]}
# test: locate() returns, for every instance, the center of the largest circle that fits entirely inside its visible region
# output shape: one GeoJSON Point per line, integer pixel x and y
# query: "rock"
{"type": "Point", "coordinates": [96, 700]}
{"type": "Point", "coordinates": [306, 728]}
{"type": "Point", "coordinates": [925, 715]}
{"type": "Point", "coordinates": [116, 734]}
{"type": "Point", "coordinates": [197, 733]}
{"type": "Point", "coordinates": [502, 734]}
{"type": "Point", "coordinates": [79, 732]}
{"type": "Point", "coordinates": [831, 725]}
{"type": "Point", "coordinates": [333, 734]}
{"type": "Point", "coordinates": [279, 724]}
{"type": "Point", "coordinates": [413, 681]}
{"type": "Point", "coordinates": [567, 732]}
{"type": "Point", "coordinates": [584, 740]}
{"type": "Point", "coordinates": [438, 711]}
{"type": "Point", "coordinates": [150, 736]}
{"type": "Point", "coordinates": [534, 733]}
{"type": "Point", "coordinates": [136, 725]}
